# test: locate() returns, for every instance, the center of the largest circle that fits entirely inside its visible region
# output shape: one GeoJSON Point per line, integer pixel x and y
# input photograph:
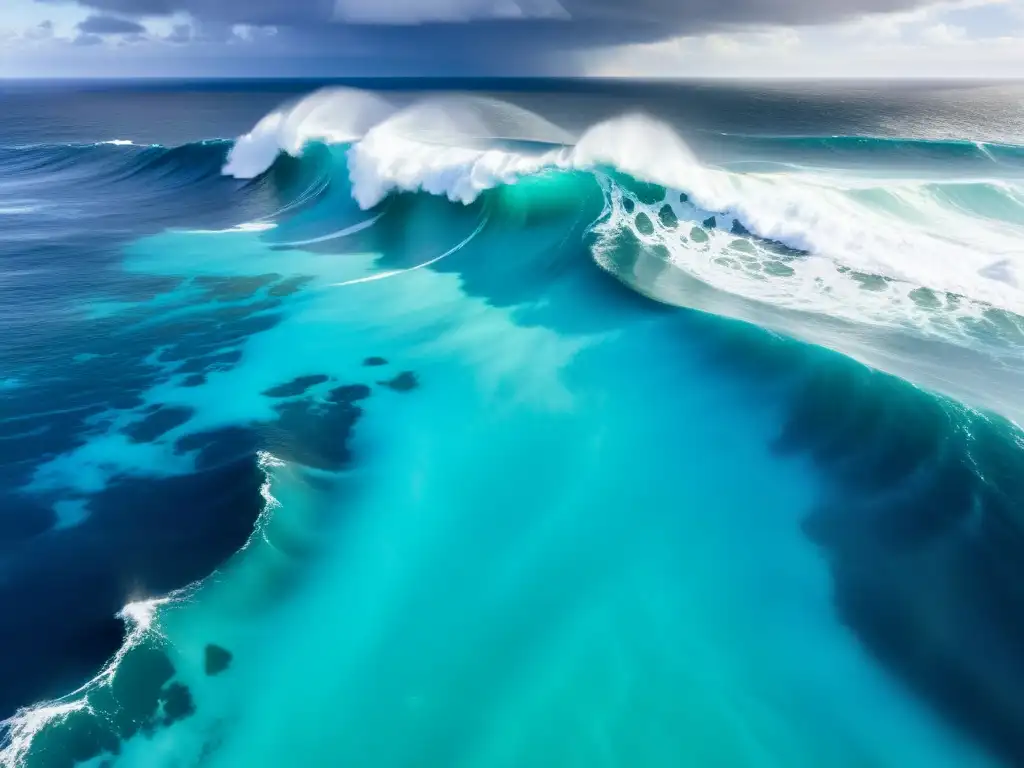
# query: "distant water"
{"type": "Point", "coordinates": [506, 424]}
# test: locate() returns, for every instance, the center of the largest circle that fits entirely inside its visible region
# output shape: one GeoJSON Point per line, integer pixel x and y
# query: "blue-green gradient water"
{"type": "Point", "coordinates": [575, 424]}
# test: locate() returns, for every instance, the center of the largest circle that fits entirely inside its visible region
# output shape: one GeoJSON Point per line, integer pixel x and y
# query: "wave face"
{"type": "Point", "coordinates": [533, 444]}
{"type": "Point", "coordinates": [822, 254]}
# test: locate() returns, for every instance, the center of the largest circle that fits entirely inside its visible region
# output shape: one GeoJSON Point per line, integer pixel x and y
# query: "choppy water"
{"type": "Point", "coordinates": [614, 425]}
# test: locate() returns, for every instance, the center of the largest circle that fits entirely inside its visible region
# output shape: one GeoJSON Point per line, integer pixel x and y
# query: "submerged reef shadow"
{"type": "Point", "coordinates": [922, 524]}
{"type": "Point", "coordinates": [140, 536]}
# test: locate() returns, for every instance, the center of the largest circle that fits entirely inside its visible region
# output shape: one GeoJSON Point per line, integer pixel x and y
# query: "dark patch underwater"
{"type": "Point", "coordinates": [923, 526]}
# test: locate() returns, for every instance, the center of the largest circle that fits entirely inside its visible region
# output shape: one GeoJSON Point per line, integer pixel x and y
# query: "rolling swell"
{"type": "Point", "coordinates": [869, 150]}
{"type": "Point", "coordinates": [189, 163]}
{"type": "Point", "coordinates": [203, 159]}
{"type": "Point", "coordinates": [118, 162]}
{"type": "Point", "coordinates": [99, 187]}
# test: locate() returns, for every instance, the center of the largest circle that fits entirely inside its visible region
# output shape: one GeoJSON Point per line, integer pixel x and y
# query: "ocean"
{"type": "Point", "coordinates": [511, 424]}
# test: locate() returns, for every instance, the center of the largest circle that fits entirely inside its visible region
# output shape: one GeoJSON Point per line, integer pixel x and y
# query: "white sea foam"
{"type": "Point", "coordinates": [868, 267]}
{"type": "Point", "coordinates": [267, 462]}
{"type": "Point", "coordinates": [386, 162]}
{"type": "Point", "coordinates": [20, 209]}
{"type": "Point", "coordinates": [249, 226]}
{"type": "Point", "coordinates": [904, 235]}
{"type": "Point", "coordinates": [24, 725]}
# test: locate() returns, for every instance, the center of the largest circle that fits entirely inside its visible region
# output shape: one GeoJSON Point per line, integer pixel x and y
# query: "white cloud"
{"type": "Point", "coordinates": [248, 33]}
{"type": "Point", "coordinates": [943, 34]}
{"type": "Point", "coordinates": [27, 20]}
{"type": "Point", "coordinates": [918, 43]}
{"type": "Point", "coordinates": [771, 41]}
{"type": "Point", "coordinates": [892, 26]}
{"type": "Point", "coordinates": [724, 45]}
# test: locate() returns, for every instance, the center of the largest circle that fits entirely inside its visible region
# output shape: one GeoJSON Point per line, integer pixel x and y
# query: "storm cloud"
{"type": "Point", "coordinates": [110, 25]}
{"type": "Point", "coordinates": [454, 37]}
{"type": "Point", "coordinates": [571, 22]}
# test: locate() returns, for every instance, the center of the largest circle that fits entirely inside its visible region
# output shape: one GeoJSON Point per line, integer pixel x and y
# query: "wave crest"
{"type": "Point", "coordinates": [334, 115]}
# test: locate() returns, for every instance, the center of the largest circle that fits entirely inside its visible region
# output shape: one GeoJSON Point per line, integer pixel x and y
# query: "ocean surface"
{"type": "Point", "coordinates": [501, 424]}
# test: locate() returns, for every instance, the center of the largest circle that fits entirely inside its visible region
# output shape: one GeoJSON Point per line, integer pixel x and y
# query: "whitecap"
{"type": "Point", "coordinates": [332, 115]}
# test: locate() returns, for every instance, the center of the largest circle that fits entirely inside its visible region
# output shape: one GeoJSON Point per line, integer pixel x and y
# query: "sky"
{"type": "Point", "coordinates": [606, 38]}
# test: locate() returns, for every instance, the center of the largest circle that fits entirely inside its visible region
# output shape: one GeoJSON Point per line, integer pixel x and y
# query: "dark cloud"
{"type": "Point", "coordinates": [85, 41]}
{"type": "Point", "coordinates": [464, 37]}
{"type": "Point", "coordinates": [110, 25]}
{"type": "Point", "coordinates": [182, 33]}
{"type": "Point", "coordinates": [654, 18]}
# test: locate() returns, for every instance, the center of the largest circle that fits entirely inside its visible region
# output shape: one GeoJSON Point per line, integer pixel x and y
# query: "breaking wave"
{"type": "Point", "coordinates": [882, 243]}
{"type": "Point", "coordinates": [920, 243]}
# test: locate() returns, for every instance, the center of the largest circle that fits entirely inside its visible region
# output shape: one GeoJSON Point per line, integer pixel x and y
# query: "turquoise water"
{"type": "Point", "coordinates": [533, 495]}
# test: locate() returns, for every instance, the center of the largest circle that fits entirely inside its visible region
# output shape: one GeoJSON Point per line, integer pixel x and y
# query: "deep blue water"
{"type": "Point", "coordinates": [511, 423]}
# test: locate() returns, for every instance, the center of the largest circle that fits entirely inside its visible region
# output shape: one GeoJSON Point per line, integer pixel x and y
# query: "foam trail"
{"type": "Point", "coordinates": [396, 272]}
{"type": "Point", "coordinates": [14, 209]}
{"type": "Point", "coordinates": [983, 148]}
{"type": "Point", "coordinates": [249, 226]}
{"type": "Point", "coordinates": [358, 227]}
{"type": "Point", "coordinates": [311, 193]}
{"type": "Point", "coordinates": [26, 723]}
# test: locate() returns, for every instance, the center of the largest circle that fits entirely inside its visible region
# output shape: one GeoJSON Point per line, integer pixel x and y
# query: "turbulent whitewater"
{"type": "Point", "coordinates": [465, 429]}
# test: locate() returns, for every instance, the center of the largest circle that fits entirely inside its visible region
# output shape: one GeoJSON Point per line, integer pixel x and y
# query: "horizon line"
{"type": "Point", "coordinates": [525, 78]}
